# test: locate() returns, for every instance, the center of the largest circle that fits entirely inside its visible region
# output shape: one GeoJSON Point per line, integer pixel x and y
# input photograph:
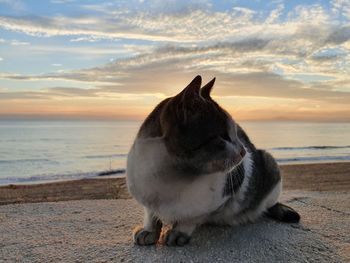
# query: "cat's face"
{"type": "Point", "coordinates": [198, 132]}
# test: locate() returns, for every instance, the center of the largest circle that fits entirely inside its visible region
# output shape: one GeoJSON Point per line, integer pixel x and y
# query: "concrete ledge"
{"type": "Point", "coordinates": [100, 231]}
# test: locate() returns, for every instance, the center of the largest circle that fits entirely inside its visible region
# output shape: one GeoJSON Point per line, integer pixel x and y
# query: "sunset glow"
{"type": "Point", "coordinates": [285, 60]}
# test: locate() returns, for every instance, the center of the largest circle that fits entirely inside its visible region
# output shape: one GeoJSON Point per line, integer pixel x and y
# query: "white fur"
{"type": "Point", "coordinates": [175, 199]}
{"type": "Point", "coordinates": [183, 200]}
{"type": "Point", "coordinates": [148, 220]}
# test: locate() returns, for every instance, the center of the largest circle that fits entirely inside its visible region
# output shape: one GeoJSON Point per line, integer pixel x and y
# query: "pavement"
{"type": "Point", "coordinates": [100, 231]}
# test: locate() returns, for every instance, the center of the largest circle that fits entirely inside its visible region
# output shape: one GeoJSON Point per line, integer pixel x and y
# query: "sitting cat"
{"type": "Point", "coordinates": [191, 164]}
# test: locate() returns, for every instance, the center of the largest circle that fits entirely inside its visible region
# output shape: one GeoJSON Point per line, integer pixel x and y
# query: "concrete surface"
{"type": "Point", "coordinates": [100, 231]}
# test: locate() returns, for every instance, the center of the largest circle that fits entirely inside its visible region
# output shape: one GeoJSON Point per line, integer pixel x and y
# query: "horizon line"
{"type": "Point", "coordinates": [140, 119]}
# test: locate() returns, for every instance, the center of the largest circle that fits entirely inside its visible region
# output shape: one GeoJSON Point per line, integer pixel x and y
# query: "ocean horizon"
{"type": "Point", "coordinates": [42, 150]}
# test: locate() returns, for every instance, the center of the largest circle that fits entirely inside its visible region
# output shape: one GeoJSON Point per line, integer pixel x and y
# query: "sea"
{"type": "Point", "coordinates": [46, 151]}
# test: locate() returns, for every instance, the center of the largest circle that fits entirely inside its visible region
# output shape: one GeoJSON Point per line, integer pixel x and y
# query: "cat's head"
{"type": "Point", "coordinates": [198, 132]}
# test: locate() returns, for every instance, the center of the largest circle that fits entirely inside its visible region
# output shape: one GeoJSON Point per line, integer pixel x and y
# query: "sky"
{"type": "Point", "coordinates": [273, 60]}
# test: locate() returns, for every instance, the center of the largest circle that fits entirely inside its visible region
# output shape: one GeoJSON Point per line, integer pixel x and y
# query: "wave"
{"type": "Point", "coordinates": [111, 172]}
{"type": "Point", "coordinates": [17, 140]}
{"type": "Point", "coordinates": [60, 177]}
{"type": "Point", "coordinates": [105, 156]}
{"type": "Point", "coordinates": [31, 140]}
{"type": "Point", "coordinates": [52, 139]}
{"type": "Point", "coordinates": [310, 148]}
{"type": "Point", "coordinates": [314, 159]}
{"type": "Point", "coordinates": [41, 160]}
{"type": "Point", "coordinates": [25, 161]}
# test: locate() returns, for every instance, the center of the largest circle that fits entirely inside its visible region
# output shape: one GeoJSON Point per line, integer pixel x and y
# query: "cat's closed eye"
{"type": "Point", "coordinates": [217, 141]}
{"type": "Point", "coordinates": [204, 143]}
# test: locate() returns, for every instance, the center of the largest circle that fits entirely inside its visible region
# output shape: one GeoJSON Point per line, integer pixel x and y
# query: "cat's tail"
{"type": "Point", "coordinates": [283, 213]}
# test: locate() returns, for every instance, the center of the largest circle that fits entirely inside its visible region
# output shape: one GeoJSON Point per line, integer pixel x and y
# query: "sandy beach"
{"type": "Point", "coordinates": [99, 230]}
{"type": "Point", "coordinates": [314, 177]}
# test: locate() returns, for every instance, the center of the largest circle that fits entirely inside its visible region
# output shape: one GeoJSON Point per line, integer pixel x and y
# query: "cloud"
{"type": "Point", "coordinates": [81, 51]}
{"type": "Point", "coordinates": [285, 56]}
{"type": "Point", "coordinates": [153, 7]}
{"type": "Point", "coordinates": [9, 95]}
{"type": "Point", "coordinates": [88, 39]}
{"type": "Point", "coordinates": [339, 36]}
{"type": "Point", "coordinates": [274, 86]}
{"type": "Point", "coordinates": [63, 26]}
{"type": "Point", "coordinates": [173, 22]}
{"type": "Point", "coordinates": [14, 42]}
{"type": "Point", "coordinates": [48, 93]}
{"type": "Point", "coordinates": [62, 1]}
{"type": "Point", "coordinates": [19, 43]}
{"type": "Point", "coordinates": [139, 80]}
{"type": "Point", "coordinates": [246, 55]}
{"type": "Point", "coordinates": [341, 8]}
{"type": "Point", "coordinates": [72, 92]}
{"type": "Point", "coordinates": [325, 58]}
{"type": "Point", "coordinates": [300, 54]}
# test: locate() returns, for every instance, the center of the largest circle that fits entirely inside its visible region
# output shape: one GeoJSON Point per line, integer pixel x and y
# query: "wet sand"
{"type": "Point", "coordinates": [314, 177]}
{"type": "Point", "coordinates": [317, 177]}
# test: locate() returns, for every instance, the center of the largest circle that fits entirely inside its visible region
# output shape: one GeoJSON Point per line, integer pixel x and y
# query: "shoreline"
{"type": "Point", "coordinates": [113, 175]}
{"type": "Point", "coordinates": [311, 177]}
{"type": "Point", "coordinates": [121, 172]}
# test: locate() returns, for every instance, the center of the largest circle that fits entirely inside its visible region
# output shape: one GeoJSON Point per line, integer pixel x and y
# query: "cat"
{"type": "Point", "coordinates": [191, 164]}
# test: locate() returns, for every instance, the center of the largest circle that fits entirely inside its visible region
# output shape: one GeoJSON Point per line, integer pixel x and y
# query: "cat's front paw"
{"type": "Point", "coordinates": [143, 237]}
{"type": "Point", "coordinates": [176, 238]}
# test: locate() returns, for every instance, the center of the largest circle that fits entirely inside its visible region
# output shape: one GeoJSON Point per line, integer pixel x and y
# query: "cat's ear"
{"type": "Point", "coordinates": [192, 89]}
{"type": "Point", "coordinates": [205, 91]}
